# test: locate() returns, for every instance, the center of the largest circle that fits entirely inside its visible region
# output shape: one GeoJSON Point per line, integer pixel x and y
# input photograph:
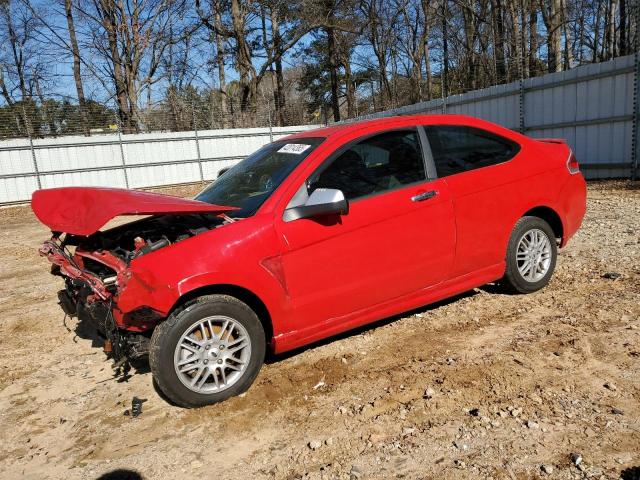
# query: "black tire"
{"type": "Point", "coordinates": [513, 280]}
{"type": "Point", "coordinates": [166, 336]}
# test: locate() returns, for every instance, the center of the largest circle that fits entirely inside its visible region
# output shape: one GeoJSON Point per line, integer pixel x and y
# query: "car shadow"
{"type": "Point", "coordinates": [631, 473]}
{"type": "Point", "coordinates": [275, 358]}
{"type": "Point", "coordinates": [495, 289]}
{"type": "Point", "coordinates": [120, 474]}
{"type": "Point", "coordinates": [161, 394]}
{"type": "Point", "coordinates": [86, 329]}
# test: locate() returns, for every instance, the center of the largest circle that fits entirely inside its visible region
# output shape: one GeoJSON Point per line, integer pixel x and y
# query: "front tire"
{"type": "Point", "coordinates": [208, 350]}
{"type": "Point", "coordinates": [531, 256]}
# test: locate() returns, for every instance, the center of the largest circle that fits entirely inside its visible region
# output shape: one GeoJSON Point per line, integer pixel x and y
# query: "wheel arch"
{"type": "Point", "coordinates": [241, 293]}
{"type": "Point", "coordinates": [550, 216]}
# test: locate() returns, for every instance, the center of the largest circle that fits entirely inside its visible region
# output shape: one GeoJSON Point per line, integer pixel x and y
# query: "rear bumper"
{"type": "Point", "coordinates": [573, 203]}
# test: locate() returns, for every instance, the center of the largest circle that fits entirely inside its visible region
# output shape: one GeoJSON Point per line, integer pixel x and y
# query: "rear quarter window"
{"type": "Point", "coordinates": [458, 149]}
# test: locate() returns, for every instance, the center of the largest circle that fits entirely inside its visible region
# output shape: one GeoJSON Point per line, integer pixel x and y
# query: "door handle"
{"type": "Point", "coordinates": [421, 197]}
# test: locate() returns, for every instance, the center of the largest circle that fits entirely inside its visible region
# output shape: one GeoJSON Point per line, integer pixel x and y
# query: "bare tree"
{"type": "Point", "coordinates": [239, 30]}
{"type": "Point", "coordinates": [416, 24]}
{"type": "Point", "coordinates": [498, 39]}
{"type": "Point", "coordinates": [131, 36]}
{"type": "Point", "coordinates": [18, 33]}
{"type": "Point", "coordinates": [173, 64]}
{"type": "Point", "coordinates": [552, 17]}
{"type": "Point", "coordinates": [18, 63]}
{"type": "Point", "coordinates": [75, 51]}
{"type": "Point", "coordinates": [380, 22]}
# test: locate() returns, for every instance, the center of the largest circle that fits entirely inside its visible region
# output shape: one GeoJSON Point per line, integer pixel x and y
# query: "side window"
{"type": "Point", "coordinates": [458, 149]}
{"type": "Point", "coordinates": [379, 163]}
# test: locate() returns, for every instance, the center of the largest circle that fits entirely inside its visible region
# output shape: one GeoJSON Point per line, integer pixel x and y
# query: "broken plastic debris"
{"type": "Point", "coordinates": [136, 406]}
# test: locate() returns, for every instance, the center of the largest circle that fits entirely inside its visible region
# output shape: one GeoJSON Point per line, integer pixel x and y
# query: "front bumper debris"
{"type": "Point", "coordinates": [93, 298]}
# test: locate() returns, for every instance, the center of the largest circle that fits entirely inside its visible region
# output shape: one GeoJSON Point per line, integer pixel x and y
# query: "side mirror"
{"type": "Point", "coordinates": [323, 201]}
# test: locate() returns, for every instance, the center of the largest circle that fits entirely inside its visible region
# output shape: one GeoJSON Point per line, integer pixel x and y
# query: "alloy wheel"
{"type": "Point", "coordinates": [212, 354]}
{"type": "Point", "coordinates": [533, 255]}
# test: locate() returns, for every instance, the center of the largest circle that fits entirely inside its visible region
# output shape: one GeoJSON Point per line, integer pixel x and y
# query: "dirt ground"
{"type": "Point", "coordinates": [485, 385]}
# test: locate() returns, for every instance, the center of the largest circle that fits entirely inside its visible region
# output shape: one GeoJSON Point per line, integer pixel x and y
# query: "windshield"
{"type": "Point", "coordinates": [249, 183]}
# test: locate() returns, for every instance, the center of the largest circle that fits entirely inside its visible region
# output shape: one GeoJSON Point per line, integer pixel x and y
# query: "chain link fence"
{"type": "Point", "coordinates": [64, 117]}
{"type": "Point", "coordinates": [44, 147]}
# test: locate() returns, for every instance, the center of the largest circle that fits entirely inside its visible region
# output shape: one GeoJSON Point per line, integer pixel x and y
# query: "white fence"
{"type": "Point", "coordinates": [594, 107]}
{"type": "Point", "coordinates": [128, 161]}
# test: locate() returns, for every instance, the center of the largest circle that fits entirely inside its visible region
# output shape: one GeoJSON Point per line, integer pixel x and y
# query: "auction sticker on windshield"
{"type": "Point", "coordinates": [296, 148]}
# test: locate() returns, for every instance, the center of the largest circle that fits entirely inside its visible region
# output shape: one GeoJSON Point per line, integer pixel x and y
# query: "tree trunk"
{"type": "Point", "coordinates": [516, 45]}
{"type": "Point", "coordinates": [379, 46]}
{"type": "Point", "coordinates": [333, 72]}
{"type": "Point", "coordinates": [279, 96]}
{"type": "Point", "coordinates": [16, 51]}
{"type": "Point", "coordinates": [623, 27]}
{"type": "Point", "coordinates": [111, 27]}
{"type": "Point", "coordinates": [48, 119]}
{"type": "Point", "coordinates": [469, 36]}
{"type": "Point", "coordinates": [445, 53]}
{"type": "Point", "coordinates": [568, 46]}
{"type": "Point", "coordinates": [373, 96]}
{"type": "Point", "coordinates": [3, 87]}
{"type": "Point", "coordinates": [552, 17]}
{"type": "Point", "coordinates": [524, 52]}
{"type": "Point", "coordinates": [611, 43]}
{"type": "Point", "coordinates": [606, 41]}
{"type": "Point", "coordinates": [580, 39]}
{"type": "Point", "coordinates": [596, 32]}
{"type": "Point", "coordinates": [17, 116]}
{"type": "Point", "coordinates": [220, 52]}
{"type": "Point", "coordinates": [393, 56]}
{"type": "Point", "coordinates": [246, 71]}
{"type": "Point", "coordinates": [427, 67]}
{"type": "Point", "coordinates": [416, 80]}
{"type": "Point", "coordinates": [498, 40]}
{"type": "Point", "coordinates": [75, 51]}
{"type": "Point", "coordinates": [533, 39]}
{"type": "Point", "coordinates": [350, 88]}
{"type": "Point", "coordinates": [425, 49]}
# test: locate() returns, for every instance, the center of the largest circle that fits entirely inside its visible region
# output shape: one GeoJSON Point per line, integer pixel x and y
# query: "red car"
{"type": "Point", "coordinates": [311, 235]}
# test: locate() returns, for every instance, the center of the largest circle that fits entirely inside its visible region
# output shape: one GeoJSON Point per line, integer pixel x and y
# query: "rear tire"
{"type": "Point", "coordinates": [208, 350]}
{"type": "Point", "coordinates": [531, 256]}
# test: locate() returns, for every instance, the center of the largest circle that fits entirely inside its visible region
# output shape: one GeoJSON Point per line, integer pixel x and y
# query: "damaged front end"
{"type": "Point", "coordinates": [93, 281]}
{"type": "Point", "coordinates": [102, 284]}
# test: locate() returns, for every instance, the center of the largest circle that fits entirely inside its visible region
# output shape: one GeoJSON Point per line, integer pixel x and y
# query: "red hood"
{"type": "Point", "coordinates": [83, 210]}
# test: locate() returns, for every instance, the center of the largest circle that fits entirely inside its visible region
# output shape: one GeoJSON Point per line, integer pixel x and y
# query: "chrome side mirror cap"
{"type": "Point", "coordinates": [322, 201]}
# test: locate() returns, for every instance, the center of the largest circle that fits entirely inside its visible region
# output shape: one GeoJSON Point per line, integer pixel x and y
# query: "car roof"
{"type": "Point", "coordinates": [343, 128]}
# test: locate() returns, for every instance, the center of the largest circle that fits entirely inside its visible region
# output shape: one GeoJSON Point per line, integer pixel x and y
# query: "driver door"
{"type": "Point", "coordinates": [398, 237]}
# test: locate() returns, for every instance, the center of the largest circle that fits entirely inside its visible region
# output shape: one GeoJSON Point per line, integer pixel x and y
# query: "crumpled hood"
{"type": "Point", "coordinates": [83, 210]}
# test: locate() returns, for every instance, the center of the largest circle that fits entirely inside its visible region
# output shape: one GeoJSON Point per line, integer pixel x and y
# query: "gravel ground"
{"type": "Point", "coordinates": [485, 385]}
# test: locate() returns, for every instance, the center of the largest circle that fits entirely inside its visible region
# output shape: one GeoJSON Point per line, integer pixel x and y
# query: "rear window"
{"type": "Point", "coordinates": [458, 149]}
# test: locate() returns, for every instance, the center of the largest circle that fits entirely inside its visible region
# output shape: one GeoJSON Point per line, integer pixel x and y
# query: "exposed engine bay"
{"type": "Point", "coordinates": [95, 271]}
{"type": "Point", "coordinates": [147, 235]}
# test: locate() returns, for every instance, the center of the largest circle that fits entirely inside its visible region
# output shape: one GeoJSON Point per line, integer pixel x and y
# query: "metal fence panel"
{"type": "Point", "coordinates": [591, 107]}
{"type": "Point", "coordinates": [151, 159]}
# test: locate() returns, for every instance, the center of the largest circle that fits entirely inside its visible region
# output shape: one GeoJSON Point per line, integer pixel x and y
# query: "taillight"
{"type": "Point", "coordinates": [572, 164]}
